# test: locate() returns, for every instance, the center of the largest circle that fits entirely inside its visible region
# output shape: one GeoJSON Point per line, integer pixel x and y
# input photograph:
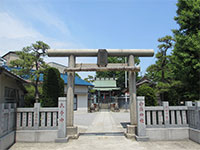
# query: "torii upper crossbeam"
{"type": "Point", "coordinates": [94, 52]}
{"type": "Point", "coordinates": [102, 65]}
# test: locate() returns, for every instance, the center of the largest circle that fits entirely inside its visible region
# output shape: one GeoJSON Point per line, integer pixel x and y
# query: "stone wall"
{"type": "Point", "coordinates": [168, 122]}
{"type": "Point", "coordinates": [41, 124]}
{"type": "Point", "coordinates": [7, 125]}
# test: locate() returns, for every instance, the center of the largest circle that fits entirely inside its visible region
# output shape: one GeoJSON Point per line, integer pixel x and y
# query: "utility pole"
{"type": "Point", "coordinates": [126, 85]}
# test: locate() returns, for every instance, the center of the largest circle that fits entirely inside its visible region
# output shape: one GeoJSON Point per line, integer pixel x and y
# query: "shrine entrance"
{"type": "Point", "coordinates": [105, 95]}
{"type": "Point", "coordinates": [101, 65]}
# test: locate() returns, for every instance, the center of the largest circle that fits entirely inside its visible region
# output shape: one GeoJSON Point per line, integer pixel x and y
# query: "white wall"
{"type": "Point", "coordinates": [82, 97]}
{"type": "Point", "coordinates": [78, 89]}
{"type": "Point", "coordinates": [81, 89]}
{"type": "Point", "coordinates": [61, 68]}
{"type": "Point", "coordinates": [82, 102]}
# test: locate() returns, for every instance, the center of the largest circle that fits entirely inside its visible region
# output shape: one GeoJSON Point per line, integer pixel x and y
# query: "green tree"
{"type": "Point", "coordinates": [76, 74]}
{"type": "Point", "coordinates": [161, 71]}
{"type": "Point", "coordinates": [120, 75]}
{"type": "Point", "coordinates": [31, 64]}
{"type": "Point", "coordinates": [186, 52]}
{"type": "Point", "coordinates": [29, 98]}
{"type": "Point", "coordinates": [53, 87]}
{"type": "Point", "coordinates": [89, 79]}
{"type": "Point", "coordinates": [149, 93]}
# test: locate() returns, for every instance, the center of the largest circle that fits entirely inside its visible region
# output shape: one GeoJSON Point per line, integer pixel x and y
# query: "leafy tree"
{"type": "Point", "coordinates": [149, 93]}
{"type": "Point", "coordinates": [76, 74]}
{"type": "Point", "coordinates": [161, 71]}
{"type": "Point", "coordinates": [53, 87]}
{"type": "Point", "coordinates": [163, 59]}
{"type": "Point", "coordinates": [186, 52]}
{"type": "Point", "coordinates": [89, 79]}
{"type": "Point", "coordinates": [29, 98]}
{"type": "Point", "coordinates": [181, 79]}
{"type": "Point", "coordinates": [120, 75]}
{"type": "Point", "coordinates": [31, 64]}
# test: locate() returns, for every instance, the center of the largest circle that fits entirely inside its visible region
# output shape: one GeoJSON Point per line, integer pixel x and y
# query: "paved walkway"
{"type": "Point", "coordinates": [105, 132]}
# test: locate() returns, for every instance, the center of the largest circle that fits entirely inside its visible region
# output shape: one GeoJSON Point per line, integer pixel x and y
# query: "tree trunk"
{"type": "Point", "coordinates": [36, 82]}
{"type": "Point", "coordinates": [36, 91]}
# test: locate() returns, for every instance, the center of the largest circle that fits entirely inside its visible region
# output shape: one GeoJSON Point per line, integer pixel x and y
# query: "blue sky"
{"type": "Point", "coordinates": [134, 24]}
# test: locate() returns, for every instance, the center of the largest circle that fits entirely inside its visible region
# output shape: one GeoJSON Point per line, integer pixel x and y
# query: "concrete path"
{"type": "Point", "coordinates": [106, 133]}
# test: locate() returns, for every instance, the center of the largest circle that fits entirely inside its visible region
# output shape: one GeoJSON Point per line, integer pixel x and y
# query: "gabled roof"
{"type": "Point", "coordinates": [2, 61]}
{"type": "Point", "coordinates": [7, 72]}
{"type": "Point", "coordinates": [14, 52]}
{"type": "Point", "coordinates": [105, 83]}
{"type": "Point", "coordinates": [78, 81]}
{"type": "Point", "coordinates": [57, 64]}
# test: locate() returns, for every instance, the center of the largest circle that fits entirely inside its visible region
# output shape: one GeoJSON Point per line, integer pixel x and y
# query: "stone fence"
{"type": "Point", "coordinates": [37, 118]}
{"type": "Point", "coordinates": [194, 115]}
{"type": "Point", "coordinates": [166, 116]}
{"type": "Point", "coordinates": [168, 122]}
{"type": "Point", "coordinates": [39, 124]}
{"type": "Point", "coordinates": [7, 124]}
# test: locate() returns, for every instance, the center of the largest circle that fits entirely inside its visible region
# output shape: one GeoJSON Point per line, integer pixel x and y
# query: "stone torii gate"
{"type": "Point", "coordinates": [102, 65]}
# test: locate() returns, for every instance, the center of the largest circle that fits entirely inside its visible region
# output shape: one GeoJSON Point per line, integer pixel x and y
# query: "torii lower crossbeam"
{"type": "Point", "coordinates": [108, 68]}
{"type": "Point", "coordinates": [101, 65]}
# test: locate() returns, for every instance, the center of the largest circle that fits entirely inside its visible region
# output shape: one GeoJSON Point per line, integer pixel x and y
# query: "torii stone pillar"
{"type": "Point", "coordinates": [132, 100]}
{"type": "Point", "coordinates": [71, 130]}
{"type": "Point", "coordinates": [132, 91]}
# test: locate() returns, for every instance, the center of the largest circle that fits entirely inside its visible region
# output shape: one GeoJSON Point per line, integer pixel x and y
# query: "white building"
{"type": "Point", "coordinates": [81, 93]}
{"type": "Point", "coordinates": [11, 87]}
{"type": "Point", "coordinates": [58, 66]}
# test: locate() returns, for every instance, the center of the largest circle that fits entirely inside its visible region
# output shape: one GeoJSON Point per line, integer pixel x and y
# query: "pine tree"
{"type": "Point", "coordinates": [186, 53]}
{"type": "Point", "coordinates": [31, 64]}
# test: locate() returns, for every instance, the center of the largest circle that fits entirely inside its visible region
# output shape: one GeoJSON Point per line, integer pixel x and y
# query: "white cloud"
{"type": "Point", "coordinates": [14, 35]}
{"type": "Point", "coordinates": [48, 19]}
{"type": "Point", "coordinates": [44, 15]}
{"type": "Point", "coordinates": [12, 28]}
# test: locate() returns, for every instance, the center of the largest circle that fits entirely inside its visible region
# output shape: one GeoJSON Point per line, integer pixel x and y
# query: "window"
{"type": "Point", "coordinates": [75, 102]}
{"type": "Point", "coordinates": [10, 93]}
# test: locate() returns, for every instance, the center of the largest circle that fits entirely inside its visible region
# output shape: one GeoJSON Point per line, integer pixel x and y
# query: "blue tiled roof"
{"type": "Point", "coordinates": [78, 81]}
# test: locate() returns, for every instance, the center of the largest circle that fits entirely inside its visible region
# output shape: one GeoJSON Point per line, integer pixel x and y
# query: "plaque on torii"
{"type": "Point", "coordinates": [101, 65]}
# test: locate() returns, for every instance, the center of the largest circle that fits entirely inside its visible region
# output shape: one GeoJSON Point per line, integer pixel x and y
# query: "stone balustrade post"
{"type": "Point", "coordinates": [36, 115]}
{"type": "Point", "coordinates": [141, 125]}
{"type": "Point", "coordinates": [166, 113]}
{"type": "Point", "coordinates": [197, 115]}
{"type": "Point", "coordinates": [9, 117]}
{"type": "Point", "coordinates": [62, 117]}
{"type": "Point", "coordinates": [15, 115]}
{"type": "Point", "coordinates": [188, 103]}
{"type": "Point", "coordinates": [1, 119]}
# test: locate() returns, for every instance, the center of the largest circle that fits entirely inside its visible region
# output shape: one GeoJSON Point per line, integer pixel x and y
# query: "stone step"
{"type": "Point", "coordinates": [104, 106]}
